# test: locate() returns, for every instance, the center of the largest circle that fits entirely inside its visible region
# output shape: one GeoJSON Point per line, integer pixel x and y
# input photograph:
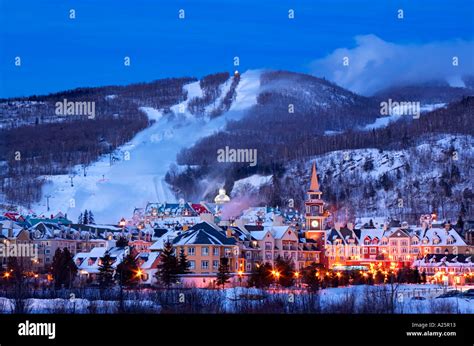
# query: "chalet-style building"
{"type": "Point", "coordinates": [447, 269]}
{"type": "Point", "coordinates": [205, 244]}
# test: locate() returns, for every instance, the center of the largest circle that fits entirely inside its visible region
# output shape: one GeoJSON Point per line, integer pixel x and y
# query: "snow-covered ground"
{"type": "Point", "coordinates": [395, 116]}
{"type": "Point", "coordinates": [407, 298]}
{"type": "Point", "coordinates": [113, 191]}
{"type": "Point", "coordinates": [411, 172]}
{"type": "Point", "coordinates": [252, 183]}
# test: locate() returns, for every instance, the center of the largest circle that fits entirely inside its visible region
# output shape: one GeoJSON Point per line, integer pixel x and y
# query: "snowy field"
{"type": "Point", "coordinates": [407, 299]}
{"type": "Point", "coordinates": [113, 191]}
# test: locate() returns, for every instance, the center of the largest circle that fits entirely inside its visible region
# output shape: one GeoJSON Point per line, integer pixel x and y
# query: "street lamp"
{"type": "Point", "coordinates": [276, 276]}
{"type": "Point", "coordinates": [297, 276]}
{"type": "Point", "coordinates": [240, 273]}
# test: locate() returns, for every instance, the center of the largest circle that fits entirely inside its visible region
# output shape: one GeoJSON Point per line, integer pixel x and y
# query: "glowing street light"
{"type": "Point", "coordinates": [240, 273]}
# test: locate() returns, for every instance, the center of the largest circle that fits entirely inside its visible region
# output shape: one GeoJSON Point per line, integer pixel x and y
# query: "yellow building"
{"type": "Point", "coordinates": [204, 245]}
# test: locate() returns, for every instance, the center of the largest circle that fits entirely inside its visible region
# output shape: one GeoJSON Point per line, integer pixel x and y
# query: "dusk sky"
{"type": "Point", "coordinates": [58, 53]}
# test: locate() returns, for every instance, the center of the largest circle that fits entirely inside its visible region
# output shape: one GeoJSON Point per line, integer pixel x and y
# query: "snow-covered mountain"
{"type": "Point", "coordinates": [436, 174]}
{"type": "Point", "coordinates": [137, 173]}
{"type": "Point", "coordinates": [156, 142]}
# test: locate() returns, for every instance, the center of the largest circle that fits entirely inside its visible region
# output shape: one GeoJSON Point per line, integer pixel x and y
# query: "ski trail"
{"type": "Point", "coordinates": [113, 191]}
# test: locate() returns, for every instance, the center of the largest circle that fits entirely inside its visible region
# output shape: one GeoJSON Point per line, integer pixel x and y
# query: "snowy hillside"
{"type": "Point", "coordinates": [250, 184]}
{"type": "Point", "coordinates": [435, 175]}
{"type": "Point", "coordinates": [136, 176]}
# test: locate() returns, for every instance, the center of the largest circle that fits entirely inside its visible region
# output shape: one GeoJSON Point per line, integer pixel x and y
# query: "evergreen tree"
{"type": "Point", "coordinates": [64, 270]}
{"type": "Point", "coordinates": [15, 270]}
{"type": "Point", "coordinates": [386, 182]}
{"type": "Point", "coordinates": [183, 263]}
{"type": "Point", "coordinates": [423, 277]}
{"type": "Point", "coordinates": [223, 274]}
{"type": "Point", "coordinates": [126, 273]}
{"type": "Point", "coordinates": [80, 219]}
{"type": "Point", "coordinates": [57, 268]}
{"type": "Point", "coordinates": [311, 277]}
{"type": "Point", "coordinates": [85, 219]}
{"type": "Point", "coordinates": [70, 268]}
{"type": "Point", "coordinates": [416, 276]}
{"type": "Point", "coordinates": [168, 267]}
{"type": "Point", "coordinates": [286, 269]}
{"type": "Point", "coordinates": [260, 276]}
{"type": "Point", "coordinates": [106, 271]}
{"type": "Point", "coordinates": [91, 218]}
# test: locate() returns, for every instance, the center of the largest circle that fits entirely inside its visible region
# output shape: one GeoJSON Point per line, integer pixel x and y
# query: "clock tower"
{"type": "Point", "coordinates": [314, 212]}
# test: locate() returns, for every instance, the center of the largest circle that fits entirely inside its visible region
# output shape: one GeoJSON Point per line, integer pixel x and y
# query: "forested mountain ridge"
{"type": "Point", "coordinates": [296, 118]}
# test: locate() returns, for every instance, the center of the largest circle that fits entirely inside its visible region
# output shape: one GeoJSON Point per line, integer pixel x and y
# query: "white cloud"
{"type": "Point", "coordinates": [375, 64]}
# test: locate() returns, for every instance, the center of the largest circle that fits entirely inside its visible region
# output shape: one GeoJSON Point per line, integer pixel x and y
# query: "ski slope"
{"type": "Point", "coordinates": [112, 191]}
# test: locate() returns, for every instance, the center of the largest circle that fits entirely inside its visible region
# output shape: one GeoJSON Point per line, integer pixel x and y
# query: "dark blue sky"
{"type": "Point", "coordinates": [58, 53]}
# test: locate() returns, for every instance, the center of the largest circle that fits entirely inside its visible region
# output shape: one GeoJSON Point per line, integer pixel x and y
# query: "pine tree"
{"type": "Point", "coordinates": [70, 268]}
{"type": "Point", "coordinates": [286, 269]}
{"type": "Point", "coordinates": [416, 276]}
{"type": "Point", "coordinates": [423, 277]}
{"type": "Point", "coordinates": [85, 219]}
{"type": "Point", "coordinates": [223, 274]}
{"type": "Point", "coordinates": [126, 273]}
{"type": "Point", "coordinates": [106, 271]}
{"type": "Point", "coordinates": [168, 267]}
{"type": "Point", "coordinates": [91, 218]}
{"type": "Point", "coordinates": [80, 219]}
{"type": "Point", "coordinates": [57, 268]}
{"type": "Point", "coordinates": [64, 270]}
{"type": "Point", "coordinates": [15, 270]}
{"type": "Point", "coordinates": [311, 276]}
{"type": "Point", "coordinates": [260, 276]}
{"type": "Point", "coordinates": [183, 263]}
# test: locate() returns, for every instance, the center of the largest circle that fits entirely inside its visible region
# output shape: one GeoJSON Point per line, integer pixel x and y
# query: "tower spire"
{"type": "Point", "coordinates": [314, 186]}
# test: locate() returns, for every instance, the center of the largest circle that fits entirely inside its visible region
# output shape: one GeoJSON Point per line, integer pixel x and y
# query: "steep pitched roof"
{"type": "Point", "coordinates": [204, 233]}
{"type": "Point", "coordinates": [314, 185]}
{"type": "Point", "coordinates": [450, 237]}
